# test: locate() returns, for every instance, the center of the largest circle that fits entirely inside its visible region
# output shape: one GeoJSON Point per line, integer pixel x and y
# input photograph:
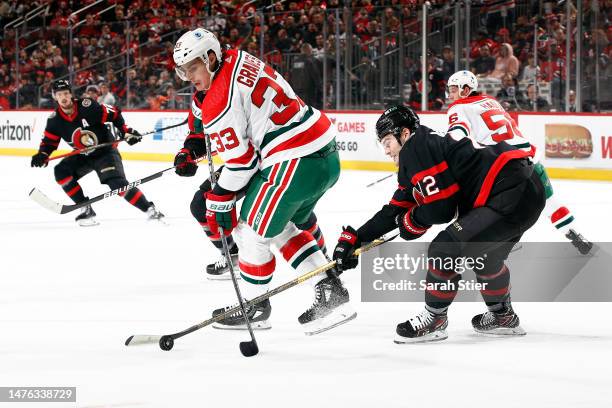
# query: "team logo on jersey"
{"type": "Point", "coordinates": [86, 103]}
{"type": "Point", "coordinates": [418, 195]}
{"type": "Point", "coordinates": [83, 138]}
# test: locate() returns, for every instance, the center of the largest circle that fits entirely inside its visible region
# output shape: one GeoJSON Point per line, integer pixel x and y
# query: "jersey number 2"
{"type": "Point", "coordinates": [291, 106]}
{"type": "Point", "coordinates": [494, 125]}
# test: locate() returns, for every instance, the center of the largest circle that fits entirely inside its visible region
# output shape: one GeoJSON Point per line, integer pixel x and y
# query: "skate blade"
{"type": "Point", "coordinates": [438, 335]}
{"type": "Point", "coordinates": [162, 221]}
{"type": "Point", "coordinates": [222, 277]}
{"type": "Point", "coordinates": [340, 315]}
{"type": "Point", "coordinates": [88, 223]}
{"type": "Point", "coordinates": [503, 331]}
{"type": "Point", "coordinates": [261, 325]}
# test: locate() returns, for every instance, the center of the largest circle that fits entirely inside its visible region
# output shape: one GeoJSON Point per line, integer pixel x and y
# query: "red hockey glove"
{"type": "Point", "coordinates": [221, 212]}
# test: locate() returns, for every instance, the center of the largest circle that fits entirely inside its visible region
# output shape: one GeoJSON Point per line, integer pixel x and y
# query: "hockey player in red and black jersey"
{"type": "Point", "coordinates": [492, 193]}
{"type": "Point", "coordinates": [81, 123]}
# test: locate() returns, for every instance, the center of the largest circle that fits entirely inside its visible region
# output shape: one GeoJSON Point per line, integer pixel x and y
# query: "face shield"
{"type": "Point", "coordinates": [190, 66]}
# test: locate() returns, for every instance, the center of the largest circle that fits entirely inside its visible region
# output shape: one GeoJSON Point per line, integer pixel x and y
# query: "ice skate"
{"type": "Point", "coordinates": [584, 246]}
{"type": "Point", "coordinates": [87, 217]}
{"type": "Point", "coordinates": [504, 322]}
{"type": "Point", "coordinates": [258, 316]}
{"type": "Point", "coordinates": [219, 270]}
{"type": "Point", "coordinates": [153, 214]}
{"type": "Point", "coordinates": [331, 307]}
{"type": "Point", "coordinates": [424, 327]}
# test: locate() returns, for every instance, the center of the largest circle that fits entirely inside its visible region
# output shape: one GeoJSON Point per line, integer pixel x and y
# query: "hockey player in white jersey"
{"type": "Point", "coordinates": [283, 152]}
{"type": "Point", "coordinates": [483, 119]}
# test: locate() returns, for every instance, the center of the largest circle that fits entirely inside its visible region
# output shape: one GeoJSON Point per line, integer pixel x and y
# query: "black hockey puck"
{"type": "Point", "coordinates": [248, 348]}
{"type": "Point", "coordinates": [166, 343]}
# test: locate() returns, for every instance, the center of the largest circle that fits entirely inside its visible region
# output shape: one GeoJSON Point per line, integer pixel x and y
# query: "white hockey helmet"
{"type": "Point", "coordinates": [461, 79]}
{"type": "Point", "coordinates": [195, 44]}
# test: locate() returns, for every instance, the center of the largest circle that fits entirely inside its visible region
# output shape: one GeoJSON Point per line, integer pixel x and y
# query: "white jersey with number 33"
{"type": "Point", "coordinates": [484, 120]}
{"type": "Point", "coordinates": [255, 120]}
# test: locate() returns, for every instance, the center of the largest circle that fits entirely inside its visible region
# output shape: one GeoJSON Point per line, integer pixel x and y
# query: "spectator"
{"type": "Point", "coordinates": [59, 68]}
{"type": "Point", "coordinates": [153, 101]}
{"type": "Point", "coordinates": [367, 74]}
{"type": "Point", "coordinates": [508, 95]}
{"type": "Point", "coordinates": [484, 64]}
{"type": "Point", "coordinates": [173, 100]}
{"type": "Point", "coordinates": [531, 72]}
{"type": "Point", "coordinates": [306, 77]}
{"type": "Point", "coordinates": [243, 26]}
{"type": "Point", "coordinates": [283, 43]}
{"type": "Point", "coordinates": [319, 48]}
{"type": "Point", "coordinates": [106, 96]}
{"type": "Point", "coordinates": [535, 100]}
{"type": "Point", "coordinates": [448, 62]}
{"type": "Point", "coordinates": [482, 39]}
{"type": "Point", "coordinates": [93, 92]}
{"type": "Point", "coordinates": [506, 63]}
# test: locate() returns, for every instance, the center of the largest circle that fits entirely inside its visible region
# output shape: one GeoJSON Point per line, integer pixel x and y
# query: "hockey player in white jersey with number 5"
{"type": "Point", "coordinates": [279, 150]}
{"type": "Point", "coordinates": [483, 119]}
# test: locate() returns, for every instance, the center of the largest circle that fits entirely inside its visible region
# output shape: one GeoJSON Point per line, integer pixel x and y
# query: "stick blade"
{"type": "Point", "coordinates": [44, 201]}
{"type": "Point", "coordinates": [249, 348]}
{"type": "Point", "coordinates": [142, 339]}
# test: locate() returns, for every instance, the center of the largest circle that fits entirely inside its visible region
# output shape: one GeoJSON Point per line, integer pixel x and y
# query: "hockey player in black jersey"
{"type": "Point", "coordinates": [81, 123]}
{"type": "Point", "coordinates": [492, 193]}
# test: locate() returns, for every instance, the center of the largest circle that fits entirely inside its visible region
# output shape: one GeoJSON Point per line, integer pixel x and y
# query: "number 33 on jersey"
{"type": "Point", "coordinates": [255, 120]}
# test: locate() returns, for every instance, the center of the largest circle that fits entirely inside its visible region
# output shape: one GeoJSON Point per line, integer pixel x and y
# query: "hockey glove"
{"type": "Point", "coordinates": [185, 165]}
{"type": "Point", "coordinates": [343, 253]}
{"type": "Point", "coordinates": [40, 160]}
{"type": "Point", "coordinates": [132, 136]}
{"type": "Point", "coordinates": [220, 212]}
{"type": "Point", "coordinates": [408, 228]}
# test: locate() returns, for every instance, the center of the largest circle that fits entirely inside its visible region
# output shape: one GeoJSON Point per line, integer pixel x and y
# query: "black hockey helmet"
{"type": "Point", "coordinates": [61, 85]}
{"type": "Point", "coordinates": [394, 119]}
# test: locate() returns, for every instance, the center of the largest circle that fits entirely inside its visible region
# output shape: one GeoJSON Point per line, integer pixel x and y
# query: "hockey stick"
{"type": "Point", "coordinates": [92, 148]}
{"type": "Point", "coordinates": [166, 342]}
{"type": "Point", "coordinates": [247, 348]}
{"type": "Point", "coordinates": [42, 199]}
{"type": "Point", "coordinates": [379, 180]}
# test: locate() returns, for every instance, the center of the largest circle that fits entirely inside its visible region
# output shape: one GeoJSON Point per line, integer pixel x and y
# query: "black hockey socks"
{"type": "Point", "coordinates": [73, 189]}
{"type": "Point", "coordinates": [137, 199]}
{"type": "Point", "coordinates": [442, 286]}
{"type": "Point", "coordinates": [496, 282]}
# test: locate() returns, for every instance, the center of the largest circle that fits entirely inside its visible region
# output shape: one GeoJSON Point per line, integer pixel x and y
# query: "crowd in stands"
{"type": "Point", "coordinates": [123, 55]}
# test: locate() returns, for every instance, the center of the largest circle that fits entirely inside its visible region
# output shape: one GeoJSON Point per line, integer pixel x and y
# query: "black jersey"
{"type": "Point", "coordinates": [447, 176]}
{"type": "Point", "coordinates": [84, 128]}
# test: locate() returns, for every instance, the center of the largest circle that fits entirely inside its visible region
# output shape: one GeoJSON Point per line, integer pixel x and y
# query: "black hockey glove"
{"type": "Point", "coordinates": [40, 159]}
{"type": "Point", "coordinates": [343, 253]}
{"type": "Point", "coordinates": [132, 136]}
{"type": "Point", "coordinates": [185, 165]}
{"type": "Point", "coordinates": [408, 228]}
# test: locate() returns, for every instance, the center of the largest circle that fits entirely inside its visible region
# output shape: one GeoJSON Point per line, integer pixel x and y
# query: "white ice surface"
{"type": "Point", "coordinates": [70, 296]}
